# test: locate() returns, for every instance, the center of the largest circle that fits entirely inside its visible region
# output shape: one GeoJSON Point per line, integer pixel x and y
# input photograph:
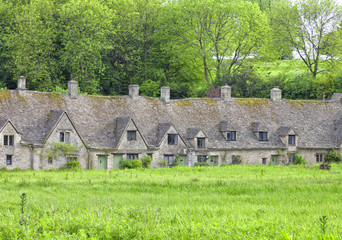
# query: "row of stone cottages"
{"type": "Point", "coordinates": [36, 128]}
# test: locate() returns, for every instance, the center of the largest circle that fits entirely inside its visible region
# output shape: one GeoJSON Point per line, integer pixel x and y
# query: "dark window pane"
{"type": "Point", "coordinates": [169, 159]}
{"type": "Point", "coordinates": [61, 136]}
{"type": "Point", "coordinates": [11, 140]}
{"type": "Point", "coordinates": [172, 139]}
{"type": "Point", "coordinates": [292, 139]}
{"type": "Point", "coordinates": [67, 137]}
{"type": "Point", "coordinates": [201, 158]}
{"type": "Point", "coordinates": [8, 159]}
{"type": "Point", "coordinates": [262, 136]}
{"type": "Point", "coordinates": [231, 136]}
{"type": "Point", "coordinates": [132, 156]}
{"type": "Point", "coordinates": [201, 142]}
{"type": "Point", "coordinates": [5, 139]}
{"type": "Point", "coordinates": [131, 135]}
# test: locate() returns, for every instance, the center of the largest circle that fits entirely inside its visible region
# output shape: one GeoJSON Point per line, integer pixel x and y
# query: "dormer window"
{"type": "Point", "coordinates": [231, 136]}
{"type": "Point", "coordinates": [172, 139]}
{"type": "Point", "coordinates": [64, 137]}
{"type": "Point", "coordinates": [263, 136]}
{"type": "Point", "coordinates": [201, 142]}
{"type": "Point", "coordinates": [131, 135]}
{"type": "Point", "coordinates": [292, 139]}
{"type": "Point", "coordinates": [8, 140]}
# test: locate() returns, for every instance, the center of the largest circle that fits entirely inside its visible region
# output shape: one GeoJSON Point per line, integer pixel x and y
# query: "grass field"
{"type": "Point", "coordinates": [231, 202]}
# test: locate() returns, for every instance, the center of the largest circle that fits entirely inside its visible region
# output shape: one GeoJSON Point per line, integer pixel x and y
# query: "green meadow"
{"type": "Point", "coordinates": [231, 202]}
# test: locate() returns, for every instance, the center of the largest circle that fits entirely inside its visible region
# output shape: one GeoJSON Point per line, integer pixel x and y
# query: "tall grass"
{"type": "Point", "coordinates": [232, 202]}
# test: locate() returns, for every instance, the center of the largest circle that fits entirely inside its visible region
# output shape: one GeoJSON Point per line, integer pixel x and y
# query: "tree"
{"type": "Point", "coordinates": [308, 26]}
{"type": "Point", "coordinates": [84, 28]}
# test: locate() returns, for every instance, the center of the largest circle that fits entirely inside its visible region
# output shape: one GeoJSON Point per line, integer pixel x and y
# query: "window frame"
{"type": "Point", "coordinates": [50, 160]}
{"type": "Point", "coordinates": [130, 155]}
{"type": "Point", "coordinates": [263, 136]}
{"type": "Point", "coordinates": [64, 136]}
{"type": "Point", "coordinates": [291, 158]}
{"type": "Point", "coordinates": [71, 159]}
{"type": "Point", "coordinates": [201, 140]}
{"type": "Point", "coordinates": [169, 158]}
{"type": "Point", "coordinates": [9, 160]}
{"type": "Point", "coordinates": [131, 135]}
{"type": "Point", "coordinates": [292, 139]}
{"type": "Point", "coordinates": [319, 157]}
{"type": "Point", "coordinates": [231, 136]}
{"type": "Point", "coordinates": [8, 140]}
{"type": "Point", "coordinates": [263, 161]}
{"type": "Point", "coordinates": [172, 138]}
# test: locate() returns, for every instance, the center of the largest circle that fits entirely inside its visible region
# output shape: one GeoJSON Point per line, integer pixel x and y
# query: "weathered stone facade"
{"type": "Point", "coordinates": [107, 130]}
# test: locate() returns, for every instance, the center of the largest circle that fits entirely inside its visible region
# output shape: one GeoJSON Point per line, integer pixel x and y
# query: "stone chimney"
{"type": "Point", "coordinates": [165, 94]}
{"type": "Point", "coordinates": [226, 93]}
{"type": "Point", "coordinates": [73, 88]}
{"type": "Point", "coordinates": [21, 83]}
{"type": "Point", "coordinates": [133, 90]}
{"type": "Point", "coordinates": [275, 94]}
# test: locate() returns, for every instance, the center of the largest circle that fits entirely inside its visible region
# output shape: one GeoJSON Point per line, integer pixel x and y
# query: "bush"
{"type": "Point", "coordinates": [131, 164]}
{"type": "Point", "coordinates": [175, 162]}
{"type": "Point", "coordinates": [146, 162]}
{"type": "Point", "coordinates": [201, 164]}
{"type": "Point", "coordinates": [333, 156]}
{"type": "Point", "coordinates": [299, 160]}
{"type": "Point", "coordinates": [163, 163]}
{"type": "Point", "coordinates": [72, 165]}
{"type": "Point", "coordinates": [324, 166]}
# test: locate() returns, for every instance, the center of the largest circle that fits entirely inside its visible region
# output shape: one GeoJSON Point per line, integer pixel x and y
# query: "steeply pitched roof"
{"type": "Point", "coordinates": [192, 132]}
{"type": "Point", "coordinates": [259, 127]}
{"type": "Point", "coordinates": [162, 130]}
{"type": "Point", "coordinates": [53, 118]}
{"type": "Point", "coordinates": [121, 124]}
{"type": "Point", "coordinates": [99, 120]}
{"type": "Point", "coordinates": [283, 131]}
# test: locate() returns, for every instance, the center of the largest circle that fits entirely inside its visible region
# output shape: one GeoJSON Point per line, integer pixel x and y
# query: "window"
{"type": "Point", "coordinates": [172, 139]}
{"type": "Point", "coordinates": [169, 159]}
{"type": "Point", "coordinates": [201, 142]}
{"type": "Point", "coordinates": [291, 158]}
{"type": "Point", "coordinates": [71, 159]}
{"type": "Point", "coordinates": [132, 156]}
{"type": "Point", "coordinates": [264, 161]}
{"type": "Point", "coordinates": [201, 158]}
{"type": "Point", "coordinates": [319, 157]}
{"type": "Point", "coordinates": [262, 136]}
{"type": "Point", "coordinates": [50, 160]}
{"type": "Point", "coordinates": [236, 159]}
{"type": "Point", "coordinates": [64, 137]}
{"type": "Point", "coordinates": [8, 159]}
{"type": "Point", "coordinates": [292, 139]}
{"type": "Point", "coordinates": [131, 135]}
{"type": "Point", "coordinates": [231, 136]}
{"type": "Point", "coordinates": [9, 140]}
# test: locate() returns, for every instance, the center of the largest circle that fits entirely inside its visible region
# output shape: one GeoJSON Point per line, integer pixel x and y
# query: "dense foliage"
{"type": "Point", "coordinates": [231, 202]}
{"type": "Point", "coordinates": [189, 45]}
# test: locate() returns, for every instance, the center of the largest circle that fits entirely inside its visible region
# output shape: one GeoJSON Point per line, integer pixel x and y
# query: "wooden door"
{"type": "Point", "coordinates": [117, 159]}
{"type": "Point", "coordinates": [182, 160]}
{"type": "Point", "coordinates": [274, 160]}
{"type": "Point", "coordinates": [213, 161]}
{"type": "Point", "coordinates": [102, 163]}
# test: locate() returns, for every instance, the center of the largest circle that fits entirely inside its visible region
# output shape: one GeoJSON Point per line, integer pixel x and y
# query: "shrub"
{"type": "Point", "coordinates": [130, 164]}
{"type": "Point", "coordinates": [324, 166]}
{"type": "Point", "coordinates": [333, 156]}
{"type": "Point", "coordinates": [176, 162]}
{"type": "Point", "coordinates": [299, 160]}
{"type": "Point", "coordinates": [72, 165]}
{"type": "Point", "coordinates": [163, 163]}
{"type": "Point", "coordinates": [201, 164]}
{"type": "Point", "coordinates": [146, 162]}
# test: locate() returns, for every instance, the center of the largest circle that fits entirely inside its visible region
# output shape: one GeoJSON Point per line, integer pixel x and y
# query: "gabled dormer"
{"type": "Point", "coordinates": [168, 136]}
{"type": "Point", "coordinates": [127, 134]}
{"type": "Point", "coordinates": [288, 136]}
{"type": "Point", "coordinates": [9, 134]}
{"type": "Point", "coordinates": [197, 138]}
{"type": "Point", "coordinates": [261, 131]}
{"type": "Point", "coordinates": [228, 131]}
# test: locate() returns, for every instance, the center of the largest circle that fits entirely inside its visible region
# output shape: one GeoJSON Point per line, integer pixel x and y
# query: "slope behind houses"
{"type": "Point", "coordinates": [36, 126]}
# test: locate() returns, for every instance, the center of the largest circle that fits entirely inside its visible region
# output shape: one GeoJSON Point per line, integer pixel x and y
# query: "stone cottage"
{"type": "Point", "coordinates": [40, 130]}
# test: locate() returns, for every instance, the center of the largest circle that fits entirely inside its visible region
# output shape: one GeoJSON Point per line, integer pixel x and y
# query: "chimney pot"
{"type": "Point", "coordinates": [21, 83]}
{"type": "Point", "coordinates": [133, 90]}
{"type": "Point", "coordinates": [226, 93]}
{"type": "Point", "coordinates": [165, 94]}
{"type": "Point", "coordinates": [73, 88]}
{"type": "Point", "coordinates": [275, 94]}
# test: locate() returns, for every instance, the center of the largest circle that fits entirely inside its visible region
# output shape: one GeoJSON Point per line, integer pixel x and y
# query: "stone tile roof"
{"type": "Point", "coordinates": [100, 123]}
{"type": "Point", "coordinates": [162, 129]}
